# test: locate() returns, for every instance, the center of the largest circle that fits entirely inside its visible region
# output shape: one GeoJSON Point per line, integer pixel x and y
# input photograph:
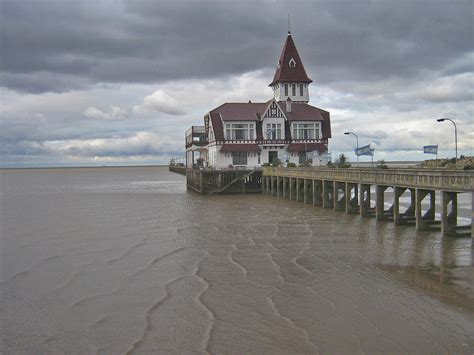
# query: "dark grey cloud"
{"type": "Point", "coordinates": [117, 79]}
{"type": "Point", "coordinates": [55, 45]}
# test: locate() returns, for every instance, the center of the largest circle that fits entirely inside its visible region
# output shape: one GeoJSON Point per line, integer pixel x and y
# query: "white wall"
{"type": "Point", "coordinates": [225, 159]}
{"type": "Point", "coordinates": [221, 160]}
{"type": "Point", "coordinates": [318, 160]}
{"type": "Point", "coordinates": [282, 154]}
{"type": "Point", "coordinates": [279, 93]}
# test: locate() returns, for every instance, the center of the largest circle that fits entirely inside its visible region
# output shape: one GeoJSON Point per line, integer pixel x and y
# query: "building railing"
{"type": "Point", "coordinates": [196, 143]}
{"type": "Point", "coordinates": [269, 141]}
{"type": "Point", "coordinates": [451, 180]}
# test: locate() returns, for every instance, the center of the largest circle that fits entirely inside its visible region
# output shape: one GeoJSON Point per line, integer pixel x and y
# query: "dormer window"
{"type": "Point", "coordinates": [292, 63]}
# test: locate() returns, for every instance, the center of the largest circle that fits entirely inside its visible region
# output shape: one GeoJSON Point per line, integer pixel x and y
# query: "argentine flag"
{"type": "Point", "coordinates": [430, 149]}
{"type": "Point", "coordinates": [365, 150]}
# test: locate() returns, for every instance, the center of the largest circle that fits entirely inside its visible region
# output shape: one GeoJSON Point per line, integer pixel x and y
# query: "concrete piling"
{"type": "Point", "coordinates": [328, 194]}
{"type": "Point", "coordinates": [352, 198]}
{"type": "Point", "coordinates": [339, 195]}
{"type": "Point", "coordinates": [425, 221]}
{"type": "Point", "coordinates": [317, 193]}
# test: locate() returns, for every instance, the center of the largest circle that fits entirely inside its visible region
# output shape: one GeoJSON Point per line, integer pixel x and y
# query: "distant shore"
{"type": "Point", "coordinates": [82, 167]}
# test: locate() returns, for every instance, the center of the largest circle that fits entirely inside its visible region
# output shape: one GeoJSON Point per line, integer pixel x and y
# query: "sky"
{"type": "Point", "coordinates": [115, 82]}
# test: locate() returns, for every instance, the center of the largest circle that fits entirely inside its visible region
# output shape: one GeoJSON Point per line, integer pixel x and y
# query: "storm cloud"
{"type": "Point", "coordinates": [83, 71]}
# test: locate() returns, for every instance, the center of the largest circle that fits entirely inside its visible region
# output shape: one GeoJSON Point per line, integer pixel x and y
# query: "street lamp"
{"type": "Point", "coordinates": [455, 136]}
{"type": "Point", "coordinates": [357, 142]}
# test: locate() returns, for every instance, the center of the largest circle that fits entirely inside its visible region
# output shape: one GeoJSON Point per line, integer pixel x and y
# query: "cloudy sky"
{"type": "Point", "coordinates": [117, 82]}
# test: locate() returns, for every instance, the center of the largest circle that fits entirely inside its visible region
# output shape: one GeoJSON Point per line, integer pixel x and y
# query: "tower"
{"type": "Point", "coordinates": [290, 80]}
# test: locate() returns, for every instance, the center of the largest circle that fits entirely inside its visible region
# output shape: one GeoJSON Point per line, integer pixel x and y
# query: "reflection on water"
{"type": "Point", "coordinates": [125, 260]}
{"type": "Point", "coordinates": [445, 274]}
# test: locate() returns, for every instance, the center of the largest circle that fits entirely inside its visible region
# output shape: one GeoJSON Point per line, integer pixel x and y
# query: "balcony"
{"type": "Point", "coordinates": [196, 136]}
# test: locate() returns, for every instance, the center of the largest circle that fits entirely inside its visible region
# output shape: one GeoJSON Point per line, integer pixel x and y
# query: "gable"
{"type": "Point", "coordinates": [273, 111]}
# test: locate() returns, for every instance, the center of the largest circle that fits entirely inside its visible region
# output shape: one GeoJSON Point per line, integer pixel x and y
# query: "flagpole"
{"type": "Point", "coordinates": [371, 154]}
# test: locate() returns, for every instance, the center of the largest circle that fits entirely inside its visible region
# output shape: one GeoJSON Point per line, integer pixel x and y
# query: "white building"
{"type": "Point", "coordinates": [250, 134]}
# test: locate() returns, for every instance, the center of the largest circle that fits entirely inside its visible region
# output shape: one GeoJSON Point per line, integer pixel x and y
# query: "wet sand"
{"type": "Point", "coordinates": [124, 260]}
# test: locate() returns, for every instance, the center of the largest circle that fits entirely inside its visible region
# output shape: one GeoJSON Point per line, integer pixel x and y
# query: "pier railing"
{"type": "Point", "coordinates": [452, 180]}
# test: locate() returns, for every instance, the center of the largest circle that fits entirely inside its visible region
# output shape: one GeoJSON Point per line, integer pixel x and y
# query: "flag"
{"type": "Point", "coordinates": [430, 149]}
{"type": "Point", "coordinates": [365, 150]}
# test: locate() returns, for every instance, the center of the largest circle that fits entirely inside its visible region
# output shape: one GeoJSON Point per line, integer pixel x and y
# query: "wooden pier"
{"type": "Point", "coordinates": [349, 190]}
{"type": "Point", "coordinates": [177, 169]}
{"type": "Point", "coordinates": [224, 181]}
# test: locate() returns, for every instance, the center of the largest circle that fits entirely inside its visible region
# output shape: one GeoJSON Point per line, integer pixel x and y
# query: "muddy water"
{"type": "Point", "coordinates": [118, 260]}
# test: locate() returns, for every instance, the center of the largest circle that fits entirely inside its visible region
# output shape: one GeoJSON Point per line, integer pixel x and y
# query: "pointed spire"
{"type": "Point", "coordinates": [290, 67]}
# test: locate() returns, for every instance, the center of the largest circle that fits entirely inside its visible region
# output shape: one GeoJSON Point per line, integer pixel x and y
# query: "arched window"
{"type": "Point", "coordinates": [292, 63]}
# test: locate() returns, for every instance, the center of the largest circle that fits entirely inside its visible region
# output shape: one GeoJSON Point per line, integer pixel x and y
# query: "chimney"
{"type": "Point", "coordinates": [288, 105]}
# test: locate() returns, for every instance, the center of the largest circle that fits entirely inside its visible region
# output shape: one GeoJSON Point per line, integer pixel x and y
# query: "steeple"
{"type": "Point", "coordinates": [290, 78]}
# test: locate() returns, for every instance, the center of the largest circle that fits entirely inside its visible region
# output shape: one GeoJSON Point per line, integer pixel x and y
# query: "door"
{"type": "Point", "coordinates": [272, 156]}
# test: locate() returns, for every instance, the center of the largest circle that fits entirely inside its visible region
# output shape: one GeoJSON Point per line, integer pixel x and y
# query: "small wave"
{"type": "Point", "coordinates": [158, 259]}
{"type": "Point", "coordinates": [232, 260]}
{"type": "Point", "coordinates": [128, 252]}
{"type": "Point", "coordinates": [24, 273]}
{"type": "Point", "coordinates": [292, 324]}
{"type": "Point", "coordinates": [148, 314]}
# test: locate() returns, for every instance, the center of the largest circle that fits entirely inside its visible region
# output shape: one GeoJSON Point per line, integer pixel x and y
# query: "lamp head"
{"type": "Point", "coordinates": [440, 119]}
{"type": "Point", "coordinates": [346, 133]}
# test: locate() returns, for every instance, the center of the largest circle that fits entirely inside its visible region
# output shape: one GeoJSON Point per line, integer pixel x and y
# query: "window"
{"type": "Point", "coordinates": [301, 89]}
{"type": "Point", "coordinates": [306, 130]}
{"type": "Point", "coordinates": [237, 131]}
{"type": "Point", "coordinates": [286, 89]}
{"type": "Point", "coordinates": [273, 131]}
{"type": "Point", "coordinates": [239, 158]}
{"type": "Point", "coordinates": [301, 157]}
{"type": "Point", "coordinates": [293, 89]}
{"type": "Point", "coordinates": [292, 63]}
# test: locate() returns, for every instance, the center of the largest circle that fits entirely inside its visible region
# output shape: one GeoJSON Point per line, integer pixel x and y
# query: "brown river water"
{"type": "Point", "coordinates": [125, 260]}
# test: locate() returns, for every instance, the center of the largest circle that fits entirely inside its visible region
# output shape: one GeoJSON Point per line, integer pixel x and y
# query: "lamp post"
{"type": "Point", "coordinates": [357, 142]}
{"type": "Point", "coordinates": [455, 136]}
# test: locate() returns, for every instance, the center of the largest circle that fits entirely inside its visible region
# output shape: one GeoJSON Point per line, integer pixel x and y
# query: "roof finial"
{"type": "Point", "coordinates": [289, 31]}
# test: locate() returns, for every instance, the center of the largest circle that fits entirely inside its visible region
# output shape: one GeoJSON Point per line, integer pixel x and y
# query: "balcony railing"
{"type": "Point", "coordinates": [269, 141]}
{"type": "Point", "coordinates": [200, 143]}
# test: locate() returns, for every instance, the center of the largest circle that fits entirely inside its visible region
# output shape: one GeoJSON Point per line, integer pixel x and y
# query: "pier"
{"type": "Point", "coordinates": [177, 169]}
{"type": "Point", "coordinates": [350, 190]}
{"type": "Point", "coordinates": [207, 181]}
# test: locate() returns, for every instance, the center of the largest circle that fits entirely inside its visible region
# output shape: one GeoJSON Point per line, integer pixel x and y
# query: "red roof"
{"type": "Point", "coordinates": [254, 111]}
{"type": "Point", "coordinates": [241, 111]}
{"type": "Point", "coordinates": [306, 147]}
{"type": "Point", "coordinates": [217, 125]}
{"type": "Point", "coordinates": [284, 71]}
{"type": "Point", "coordinates": [305, 112]}
{"type": "Point", "coordinates": [240, 148]}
